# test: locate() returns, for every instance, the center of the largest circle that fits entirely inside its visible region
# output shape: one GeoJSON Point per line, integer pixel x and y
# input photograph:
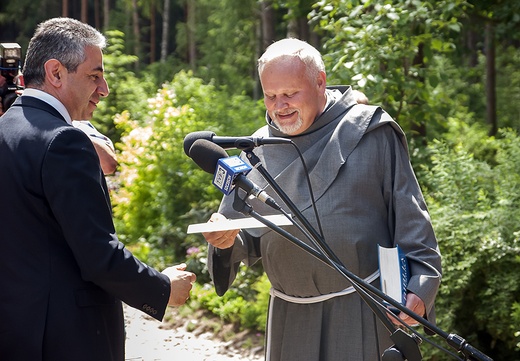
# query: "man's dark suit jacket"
{"type": "Point", "coordinates": [63, 271]}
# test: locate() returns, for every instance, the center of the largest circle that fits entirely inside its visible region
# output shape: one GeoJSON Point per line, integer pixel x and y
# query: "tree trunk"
{"type": "Point", "coordinates": [137, 38]}
{"type": "Point", "coordinates": [472, 46]}
{"type": "Point", "coordinates": [267, 37]}
{"type": "Point", "coordinates": [153, 32]}
{"type": "Point", "coordinates": [191, 23]}
{"type": "Point", "coordinates": [65, 8]}
{"type": "Point", "coordinates": [491, 101]}
{"type": "Point", "coordinates": [418, 126]}
{"type": "Point", "coordinates": [293, 30]}
{"type": "Point", "coordinates": [97, 21]}
{"type": "Point", "coordinates": [166, 25]}
{"type": "Point", "coordinates": [84, 11]}
{"type": "Point", "coordinates": [106, 14]}
{"type": "Point", "coordinates": [267, 16]}
{"type": "Point", "coordinates": [257, 89]}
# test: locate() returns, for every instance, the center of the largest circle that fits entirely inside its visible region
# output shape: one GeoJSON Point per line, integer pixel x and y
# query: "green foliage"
{"type": "Point", "coordinates": [475, 206]}
{"type": "Point", "coordinates": [508, 87]}
{"type": "Point", "coordinates": [248, 310]}
{"type": "Point", "coordinates": [227, 34]}
{"type": "Point", "coordinates": [457, 98]}
{"type": "Point", "coordinates": [515, 318]}
{"type": "Point", "coordinates": [161, 189]}
{"type": "Point", "coordinates": [503, 14]}
{"type": "Point", "coordinates": [387, 48]}
{"type": "Point", "coordinates": [127, 92]}
{"type": "Point", "coordinates": [462, 94]}
{"type": "Point", "coordinates": [160, 71]}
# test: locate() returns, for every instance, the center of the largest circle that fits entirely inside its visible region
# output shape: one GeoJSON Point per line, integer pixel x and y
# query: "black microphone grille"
{"type": "Point", "coordinates": [206, 154]}
{"type": "Point", "coordinates": [192, 137]}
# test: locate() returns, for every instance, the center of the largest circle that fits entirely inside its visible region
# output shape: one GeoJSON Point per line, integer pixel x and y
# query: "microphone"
{"type": "Point", "coordinates": [228, 171]}
{"type": "Point", "coordinates": [231, 142]}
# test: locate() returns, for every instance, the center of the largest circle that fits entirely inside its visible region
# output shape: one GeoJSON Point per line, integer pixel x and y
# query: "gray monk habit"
{"type": "Point", "coordinates": [366, 194]}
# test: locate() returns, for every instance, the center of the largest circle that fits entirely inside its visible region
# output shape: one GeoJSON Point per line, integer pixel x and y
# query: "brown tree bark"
{"type": "Point", "coordinates": [191, 23]}
{"type": "Point", "coordinates": [418, 125]}
{"type": "Point", "coordinates": [97, 15]}
{"type": "Point", "coordinates": [267, 17]}
{"type": "Point", "coordinates": [65, 8]}
{"type": "Point", "coordinates": [153, 32]}
{"type": "Point", "coordinates": [84, 11]}
{"type": "Point", "coordinates": [491, 101]}
{"type": "Point", "coordinates": [106, 14]}
{"type": "Point", "coordinates": [135, 26]}
{"type": "Point", "coordinates": [166, 26]}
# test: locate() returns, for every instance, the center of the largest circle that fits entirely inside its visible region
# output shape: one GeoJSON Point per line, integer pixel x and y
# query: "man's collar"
{"type": "Point", "coordinates": [49, 99]}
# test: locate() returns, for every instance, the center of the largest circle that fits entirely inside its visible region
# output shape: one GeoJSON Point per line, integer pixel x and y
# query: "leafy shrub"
{"type": "Point", "coordinates": [127, 91]}
{"type": "Point", "coordinates": [475, 207]}
{"type": "Point", "coordinates": [161, 191]}
{"type": "Point", "coordinates": [248, 310]}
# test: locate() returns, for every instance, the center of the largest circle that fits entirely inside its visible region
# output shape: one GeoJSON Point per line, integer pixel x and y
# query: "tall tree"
{"type": "Point", "coordinates": [135, 27]}
{"type": "Point", "coordinates": [84, 11]}
{"type": "Point", "coordinates": [268, 18]}
{"type": "Point", "coordinates": [387, 49]}
{"type": "Point", "coordinates": [106, 14]}
{"type": "Point", "coordinates": [491, 102]}
{"type": "Point", "coordinates": [227, 43]}
{"type": "Point", "coordinates": [165, 30]}
{"type": "Point", "coordinates": [190, 33]}
{"type": "Point", "coordinates": [97, 15]}
{"type": "Point", "coordinates": [153, 32]}
{"type": "Point", "coordinates": [297, 18]}
{"type": "Point", "coordinates": [65, 8]}
{"type": "Point", "coordinates": [501, 24]}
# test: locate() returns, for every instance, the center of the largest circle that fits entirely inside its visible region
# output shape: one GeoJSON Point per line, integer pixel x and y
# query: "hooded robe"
{"type": "Point", "coordinates": [366, 194]}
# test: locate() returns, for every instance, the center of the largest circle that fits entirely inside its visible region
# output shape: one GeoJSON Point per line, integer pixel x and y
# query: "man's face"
{"type": "Point", "coordinates": [293, 101]}
{"type": "Point", "coordinates": [82, 90]}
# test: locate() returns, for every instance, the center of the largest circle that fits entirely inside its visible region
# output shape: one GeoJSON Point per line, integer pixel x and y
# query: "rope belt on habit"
{"type": "Point", "coordinates": [320, 298]}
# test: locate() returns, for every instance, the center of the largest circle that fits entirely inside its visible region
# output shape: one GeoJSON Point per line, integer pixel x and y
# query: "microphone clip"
{"type": "Point", "coordinates": [246, 143]}
{"type": "Point", "coordinates": [240, 204]}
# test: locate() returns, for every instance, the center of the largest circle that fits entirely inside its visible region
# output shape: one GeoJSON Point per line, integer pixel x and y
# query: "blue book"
{"type": "Point", "coordinates": [395, 273]}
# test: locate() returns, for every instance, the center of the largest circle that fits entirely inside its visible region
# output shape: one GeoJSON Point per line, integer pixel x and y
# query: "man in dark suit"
{"type": "Point", "coordinates": [63, 272]}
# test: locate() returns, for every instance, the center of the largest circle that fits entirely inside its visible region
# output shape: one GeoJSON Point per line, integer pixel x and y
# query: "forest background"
{"type": "Point", "coordinates": [448, 71]}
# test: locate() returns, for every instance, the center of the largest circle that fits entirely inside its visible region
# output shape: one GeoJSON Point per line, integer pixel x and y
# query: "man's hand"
{"type": "Point", "coordinates": [181, 282]}
{"type": "Point", "coordinates": [107, 156]}
{"type": "Point", "coordinates": [220, 239]}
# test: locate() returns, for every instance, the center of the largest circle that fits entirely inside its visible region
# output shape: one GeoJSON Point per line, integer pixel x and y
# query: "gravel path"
{"type": "Point", "coordinates": [147, 341]}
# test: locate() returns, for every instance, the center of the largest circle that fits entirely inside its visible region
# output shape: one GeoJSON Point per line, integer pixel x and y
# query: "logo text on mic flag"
{"type": "Point", "coordinates": [226, 172]}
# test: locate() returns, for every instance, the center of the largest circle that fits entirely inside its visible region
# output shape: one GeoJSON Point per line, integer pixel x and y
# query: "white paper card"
{"type": "Point", "coordinates": [241, 223]}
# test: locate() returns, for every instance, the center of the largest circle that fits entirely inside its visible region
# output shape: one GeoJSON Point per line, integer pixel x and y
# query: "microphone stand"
{"type": "Point", "coordinates": [406, 347]}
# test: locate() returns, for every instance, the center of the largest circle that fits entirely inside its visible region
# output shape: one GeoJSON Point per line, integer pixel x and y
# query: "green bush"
{"type": "Point", "coordinates": [475, 207]}
{"type": "Point", "coordinates": [161, 191]}
{"type": "Point", "coordinates": [247, 310]}
{"type": "Point", "coordinates": [127, 92]}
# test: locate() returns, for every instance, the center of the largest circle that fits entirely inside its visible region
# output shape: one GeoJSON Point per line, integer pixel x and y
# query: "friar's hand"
{"type": "Point", "coordinates": [416, 305]}
{"type": "Point", "coordinates": [220, 239]}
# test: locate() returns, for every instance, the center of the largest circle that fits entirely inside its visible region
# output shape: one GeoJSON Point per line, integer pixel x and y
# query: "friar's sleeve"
{"type": "Point", "coordinates": [412, 227]}
{"type": "Point", "coordinates": [223, 264]}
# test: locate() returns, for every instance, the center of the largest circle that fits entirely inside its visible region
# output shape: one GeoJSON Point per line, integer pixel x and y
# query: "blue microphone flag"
{"type": "Point", "coordinates": [227, 170]}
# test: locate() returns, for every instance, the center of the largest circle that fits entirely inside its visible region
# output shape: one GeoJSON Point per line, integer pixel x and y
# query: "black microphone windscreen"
{"type": "Point", "coordinates": [206, 154]}
{"type": "Point", "coordinates": [192, 137]}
